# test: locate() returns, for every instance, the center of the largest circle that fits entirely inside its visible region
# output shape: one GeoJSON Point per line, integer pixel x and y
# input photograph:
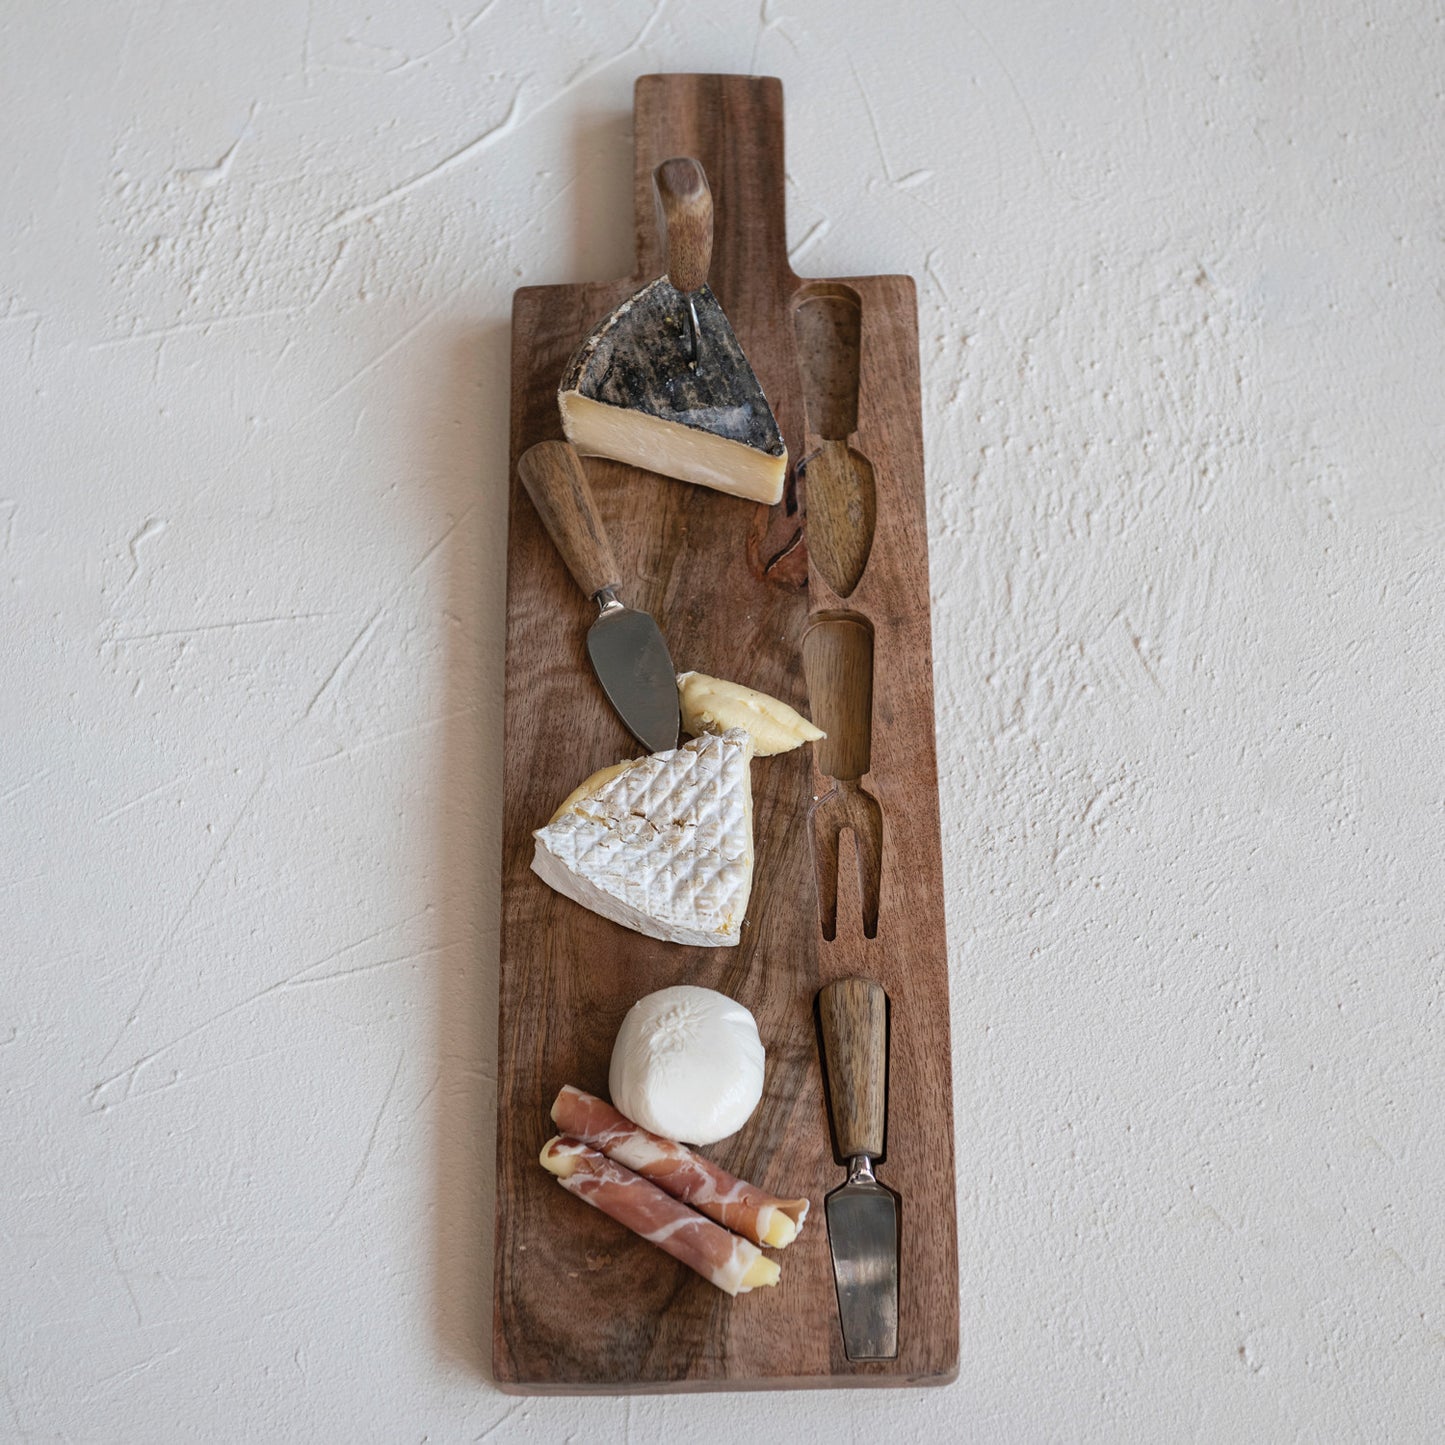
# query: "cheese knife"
{"type": "Point", "coordinates": [863, 1215]}
{"type": "Point", "coordinates": [627, 649]}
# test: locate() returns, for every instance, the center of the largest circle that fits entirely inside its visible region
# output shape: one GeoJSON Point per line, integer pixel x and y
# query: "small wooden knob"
{"type": "Point", "coordinates": [854, 1016]}
{"type": "Point", "coordinates": [553, 476]}
{"type": "Point", "coordinates": [684, 219]}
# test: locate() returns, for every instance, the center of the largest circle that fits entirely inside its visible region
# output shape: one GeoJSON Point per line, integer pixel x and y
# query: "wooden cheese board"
{"type": "Point", "coordinates": [833, 592]}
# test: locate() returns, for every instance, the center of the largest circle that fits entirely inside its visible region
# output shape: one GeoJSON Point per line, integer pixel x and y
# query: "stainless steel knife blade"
{"type": "Point", "coordinates": [633, 665]}
{"type": "Point", "coordinates": [863, 1235]}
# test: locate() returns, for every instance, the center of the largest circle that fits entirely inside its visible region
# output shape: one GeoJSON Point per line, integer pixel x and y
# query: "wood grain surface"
{"type": "Point", "coordinates": [853, 1022]}
{"type": "Point", "coordinates": [579, 1305]}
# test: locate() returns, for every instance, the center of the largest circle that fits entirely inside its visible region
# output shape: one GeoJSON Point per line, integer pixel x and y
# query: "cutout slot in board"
{"type": "Point", "coordinates": [841, 491]}
{"type": "Point", "coordinates": [838, 665]}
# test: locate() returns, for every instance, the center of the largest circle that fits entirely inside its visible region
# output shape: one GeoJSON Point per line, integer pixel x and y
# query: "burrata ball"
{"type": "Point", "coordinates": [687, 1064]}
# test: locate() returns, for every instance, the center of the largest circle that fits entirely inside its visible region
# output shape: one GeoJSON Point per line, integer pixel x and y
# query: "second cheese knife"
{"type": "Point", "coordinates": [862, 1213]}
{"type": "Point", "coordinates": [627, 650]}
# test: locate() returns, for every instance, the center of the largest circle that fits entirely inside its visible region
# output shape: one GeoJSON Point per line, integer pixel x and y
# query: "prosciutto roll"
{"type": "Point", "coordinates": [712, 1191]}
{"type": "Point", "coordinates": [732, 1264]}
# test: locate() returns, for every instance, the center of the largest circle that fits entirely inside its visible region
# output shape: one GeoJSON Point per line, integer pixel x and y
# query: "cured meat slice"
{"type": "Point", "coordinates": [710, 1189]}
{"type": "Point", "coordinates": [732, 1264]}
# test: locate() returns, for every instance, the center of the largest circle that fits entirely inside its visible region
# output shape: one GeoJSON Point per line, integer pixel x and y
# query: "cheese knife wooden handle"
{"type": "Point", "coordinates": [553, 476]}
{"type": "Point", "coordinates": [853, 1013]}
{"type": "Point", "coordinates": [684, 220]}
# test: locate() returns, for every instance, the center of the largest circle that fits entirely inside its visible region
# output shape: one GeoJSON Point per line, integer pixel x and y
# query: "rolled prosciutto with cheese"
{"type": "Point", "coordinates": [732, 1264]}
{"type": "Point", "coordinates": [711, 1190]}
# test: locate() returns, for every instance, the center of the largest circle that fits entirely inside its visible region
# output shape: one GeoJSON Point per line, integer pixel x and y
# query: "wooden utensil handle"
{"type": "Point", "coordinates": [854, 1016]}
{"type": "Point", "coordinates": [684, 217]}
{"type": "Point", "coordinates": [553, 476]}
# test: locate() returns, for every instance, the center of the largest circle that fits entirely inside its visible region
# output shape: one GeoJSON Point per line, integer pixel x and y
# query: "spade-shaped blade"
{"type": "Point", "coordinates": [863, 1235]}
{"type": "Point", "coordinates": [632, 663]}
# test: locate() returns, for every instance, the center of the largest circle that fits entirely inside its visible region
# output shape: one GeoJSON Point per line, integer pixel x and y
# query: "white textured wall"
{"type": "Point", "coordinates": [1184, 362]}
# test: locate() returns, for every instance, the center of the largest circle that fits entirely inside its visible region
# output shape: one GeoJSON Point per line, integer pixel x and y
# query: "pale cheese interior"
{"type": "Point", "coordinates": [711, 704]}
{"type": "Point", "coordinates": [674, 450]}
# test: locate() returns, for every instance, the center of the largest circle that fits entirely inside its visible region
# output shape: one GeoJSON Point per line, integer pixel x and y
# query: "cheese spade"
{"type": "Point", "coordinates": [862, 1213]}
{"type": "Point", "coordinates": [662, 382]}
{"type": "Point", "coordinates": [627, 650]}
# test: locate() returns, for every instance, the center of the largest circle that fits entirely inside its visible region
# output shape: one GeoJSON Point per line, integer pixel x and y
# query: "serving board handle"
{"type": "Point", "coordinates": [732, 126]}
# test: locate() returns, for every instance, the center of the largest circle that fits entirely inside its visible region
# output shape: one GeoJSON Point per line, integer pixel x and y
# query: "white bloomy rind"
{"type": "Point", "coordinates": [662, 845]}
{"type": "Point", "coordinates": [687, 1064]}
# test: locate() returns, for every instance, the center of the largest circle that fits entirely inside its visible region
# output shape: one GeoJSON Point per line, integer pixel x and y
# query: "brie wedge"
{"type": "Point", "coordinates": [662, 845]}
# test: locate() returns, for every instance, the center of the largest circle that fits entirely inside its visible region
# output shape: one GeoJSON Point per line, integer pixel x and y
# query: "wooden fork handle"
{"type": "Point", "coordinates": [684, 218]}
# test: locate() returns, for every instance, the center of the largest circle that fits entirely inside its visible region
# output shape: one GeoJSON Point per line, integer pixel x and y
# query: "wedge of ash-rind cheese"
{"type": "Point", "coordinates": [632, 393]}
{"type": "Point", "coordinates": [663, 845]}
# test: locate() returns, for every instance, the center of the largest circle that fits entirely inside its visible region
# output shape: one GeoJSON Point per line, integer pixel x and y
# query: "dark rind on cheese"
{"type": "Point", "coordinates": [638, 359]}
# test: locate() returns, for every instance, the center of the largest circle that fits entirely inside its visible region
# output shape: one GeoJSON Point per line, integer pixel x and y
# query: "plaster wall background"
{"type": "Point", "coordinates": [1181, 305]}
